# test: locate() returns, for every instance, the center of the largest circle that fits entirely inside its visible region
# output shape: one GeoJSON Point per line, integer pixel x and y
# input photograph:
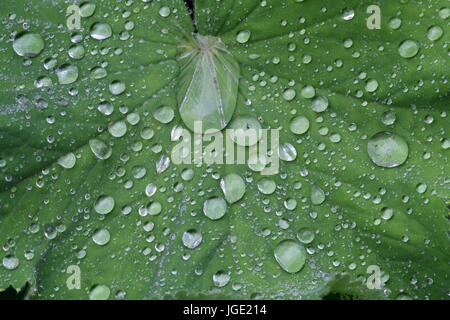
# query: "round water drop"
{"type": "Point", "coordinates": [347, 14]}
{"type": "Point", "coordinates": [266, 186]}
{"type": "Point", "coordinates": [388, 118]}
{"type": "Point", "coordinates": [245, 131]}
{"type": "Point", "coordinates": [164, 114]}
{"type": "Point", "coordinates": [317, 195]}
{"type": "Point", "coordinates": [289, 94]}
{"type": "Point", "coordinates": [67, 161]}
{"type": "Point", "coordinates": [290, 204]}
{"type": "Point", "coordinates": [221, 278]}
{"type": "Point", "coordinates": [117, 87]}
{"type": "Point", "coordinates": [435, 33]}
{"type": "Point", "coordinates": [371, 85]}
{"type": "Point", "coordinates": [287, 152]}
{"type": "Point", "coordinates": [99, 292]}
{"type": "Point", "coordinates": [444, 13]}
{"type": "Point", "coordinates": [233, 187]}
{"type": "Point", "coordinates": [98, 73]}
{"type": "Point", "coordinates": [387, 149]}
{"type": "Point", "coordinates": [243, 36]}
{"type": "Point", "coordinates": [187, 174]}
{"type": "Point", "coordinates": [387, 213]}
{"type": "Point", "coordinates": [192, 238]}
{"type": "Point", "coordinates": [150, 189]}
{"type": "Point", "coordinates": [164, 12]}
{"type": "Point", "coordinates": [308, 92]}
{"type": "Point", "coordinates": [101, 31]}
{"type": "Point", "coordinates": [87, 9]}
{"type": "Point", "coordinates": [154, 208]}
{"type": "Point", "coordinates": [118, 129]}
{"type": "Point", "coordinates": [290, 255]}
{"type": "Point", "coordinates": [215, 208]}
{"type": "Point", "coordinates": [67, 74]}
{"type": "Point", "coordinates": [305, 235]}
{"type": "Point", "coordinates": [100, 149]}
{"type": "Point", "coordinates": [408, 49]}
{"type": "Point", "coordinates": [10, 262]}
{"type": "Point", "coordinates": [299, 125]}
{"type": "Point", "coordinates": [395, 23]}
{"type": "Point", "coordinates": [28, 45]}
{"type": "Point", "coordinates": [105, 108]}
{"type": "Point", "coordinates": [421, 188]}
{"type": "Point", "coordinates": [76, 52]}
{"type": "Point", "coordinates": [101, 237]}
{"type": "Point", "coordinates": [104, 204]}
{"type": "Point", "coordinates": [319, 104]}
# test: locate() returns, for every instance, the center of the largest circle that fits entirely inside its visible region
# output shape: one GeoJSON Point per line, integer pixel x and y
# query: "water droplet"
{"type": "Point", "coordinates": [67, 161]}
{"type": "Point", "coordinates": [308, 92]}
{"type": "Point", "coordinates": [289, 94]}
{"type": "Point", "coordinates": [408, 49]}
{"type": "Point", "coordinates": [347, 14]}
{"type": "Point", "coordinates": [118, 129]}
{"type": "Point", "coordinates": [388, 118]}
{"type": "Point", "coordinates": [154, 208]}
{"type": "Point", "coordinates": [28, 45]}
{"type": "Point", "coordinates": [266, 186]}
{"type": "Point", "coordinates": [76, 52]}
{"type": "Point", "coordinates": [10, 262]}
{"type": "Point", "coordinates": [101, 31]}
{"type": "Point", "coordinates": [164, 12]}
{"type": "Point", "coordinates": [387, 213]}
{"type": "Point", "coordinates": [99, 292]}
{"type": "Point", "coordinates": [100, 149]}
{"type": "Point", "coordinates": [104, 204]}
{"type": "Point", "coordinates": [305, 235]}
{"type": "Point", "coordinates": [317, 195]}
{"type": "Point", "coordinates": [287, 152]}
{"type": "Point", "coordinates": [215, 208]}
{"type": "Point", "coordinates": [244, 131]}
{"type": "Point", "coordinates": [67, 74]}
{"type": "Point", "coordinates": [395, 23]}
{"type": "Point", "coordinates": [101, 237]}
{"type": "Point", "coordinates": [164, 114]}
{"type": "Point", "coordinates": [221, 278]}
{"type": "Point", "coordinates": [192, 238]}
{"type": "Point", "coordinates": [243, 36]}
{"type": "Point", "coordinates": [150, 189]}
{"type": "Point", "coordinates": [87, 9]}
{"type": "Point", "coordinates": [117, 87]}
{"type": "Point", "coordinates": [290, 255]}
{"type": "Point", "coordinates": [233, 187]}
{"type": "Point", "coordinates": [319, 104]}
{"type": "Point", "coordinates": [421, 188]}
{"type": "Point", "coordinates": [371, 85]}
{"type": "Point", "coordinates": [299, 125]}
{"type": "Point", "coordinates": [387, 149]}
{"type": "Point", "coordinates": [435, 33]}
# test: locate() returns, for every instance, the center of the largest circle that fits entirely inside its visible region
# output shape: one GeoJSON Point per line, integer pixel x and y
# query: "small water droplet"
{"type": "Point", "coordinates": [215, 208]}
{"type": "Point", "coordinates": [290, 255]}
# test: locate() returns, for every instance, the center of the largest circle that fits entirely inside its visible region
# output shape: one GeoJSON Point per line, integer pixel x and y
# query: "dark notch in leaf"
{"type": "Point", "coordinates": [190, 5]}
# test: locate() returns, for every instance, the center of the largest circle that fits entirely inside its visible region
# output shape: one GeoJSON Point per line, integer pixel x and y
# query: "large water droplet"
{"type": "Point", "coordinates": [317, 195]}
{"type": "Point", "coordinates": [244, 131]}
{"type": "Point", "coordinates": [243, 36]}
{"type": "Point", "coordinates": [99, 292]}
{"type": "Point", "coordinates": [100, 149]}
{"type": "Point", "coordinates": [233, 187]}
{"type": "Point", "coordinates": [290, 255]}
{"type": "Point", "coordinates": [221, 278]}
{"type": "Point", "coordinates": [299, 125]}
{"type": "Point", "coordinates": [387, 149]}
{"type": "Point", "coordinates": [101, 237]}
{"type": "Point", "coordinates": [192, 238]}
{"type": "Point", "coordinates": [67, 161]}
{"type": "Point", "coordinates": [28, 45]}
{"type": "Point", "coordinates": [104, 204]}
{"type": "Point", "coordinates": [101, 31]}
{"type": "Point", "coordinates": [215, 208]}
{"type": "Point", "coordinates": [408, 49]}
{"type": "Point", "coordinates": [67, 74]}
{"type": "Point", "coordinates": [10, 262]}
{"type": "Point", "coordinates": [319, 104]}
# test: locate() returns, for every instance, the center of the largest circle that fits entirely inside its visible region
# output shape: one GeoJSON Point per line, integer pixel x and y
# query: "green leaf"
{"type": "Point", "coordinates": [88, 123]}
